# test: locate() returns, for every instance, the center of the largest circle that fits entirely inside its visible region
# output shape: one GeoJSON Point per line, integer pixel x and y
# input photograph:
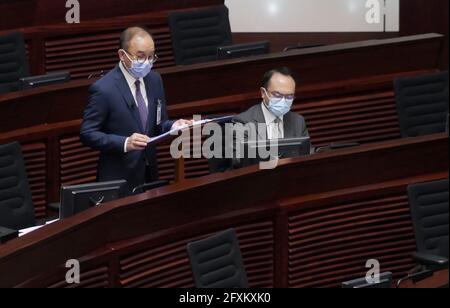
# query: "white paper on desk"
{"type": "Point", "coordinates": [31, 229]}
{"type": "Point", "coordinates": [174, 132]}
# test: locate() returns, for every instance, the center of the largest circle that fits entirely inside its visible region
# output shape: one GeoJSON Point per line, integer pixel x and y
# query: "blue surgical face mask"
{"type": "Point", "coordinates": [139, 70]}
{"type": "Point", "coordinates": [279, 106]}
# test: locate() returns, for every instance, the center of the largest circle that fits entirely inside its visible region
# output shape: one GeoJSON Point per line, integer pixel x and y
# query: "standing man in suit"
{"type": "Point", "coordinates": [273, 118]}
{"type": "Point", "coordinates": [126, 107]}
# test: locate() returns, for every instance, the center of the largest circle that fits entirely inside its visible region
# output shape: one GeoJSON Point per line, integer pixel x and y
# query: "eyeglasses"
{"type": "Point", "coordinates": [279, 96]}
{"type": "Point", "coordinates": [141, 59]}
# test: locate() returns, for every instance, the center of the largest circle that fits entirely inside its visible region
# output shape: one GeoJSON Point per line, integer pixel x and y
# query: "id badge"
{"type": "Point", "coordinates": [158, 112]}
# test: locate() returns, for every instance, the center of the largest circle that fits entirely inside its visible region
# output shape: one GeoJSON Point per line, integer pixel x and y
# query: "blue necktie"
{"type": "Point", "coordinates": [143, 110]}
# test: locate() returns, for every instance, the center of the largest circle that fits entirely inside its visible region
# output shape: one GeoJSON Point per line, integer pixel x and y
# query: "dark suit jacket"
{"type": "Point", "coordinates": [294, 126]}
{"type": "Point", "coordinates": [111, 116]}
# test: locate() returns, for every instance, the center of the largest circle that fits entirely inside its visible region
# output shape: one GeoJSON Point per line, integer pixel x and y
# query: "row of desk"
{"type": "Point", "coordinates": [311, 222]}
{"type": "Point", "coordinates": [345, 93]}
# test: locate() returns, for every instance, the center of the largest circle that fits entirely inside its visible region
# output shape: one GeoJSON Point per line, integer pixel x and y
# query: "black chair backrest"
{"type": "Point", "coordinates": [16, 205]}
{"type": "Point", "coordinates": [429, 209]}
{"type": "Point", "coordinates": [13, 62]}
{"type": "Point", "coordinates": [422, 104]}
{"type": "Point", "coordinates": [197, 34]}
{"type": "Point", "coordinates": [216, 262]}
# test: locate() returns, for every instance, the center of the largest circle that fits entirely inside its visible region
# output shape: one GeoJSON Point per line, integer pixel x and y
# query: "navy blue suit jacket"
{"type": "Point", "coordinates": [111, 116]}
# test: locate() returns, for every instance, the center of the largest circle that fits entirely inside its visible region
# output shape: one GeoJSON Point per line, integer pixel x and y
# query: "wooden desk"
{"type": "Point", "coordinates": [311, 222]}
{"type": "Point", "coordinates": [326, 73]}
{"type": "Point", "coordinates": [334, 97]}
{"type": "Point", "coordinates": [437, 281]}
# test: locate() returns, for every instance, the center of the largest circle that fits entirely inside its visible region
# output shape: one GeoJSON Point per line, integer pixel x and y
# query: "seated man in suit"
{"type": "Point", "coordinates": [126, 107]}
{"type": "Point", "coordinates": [272, 119]}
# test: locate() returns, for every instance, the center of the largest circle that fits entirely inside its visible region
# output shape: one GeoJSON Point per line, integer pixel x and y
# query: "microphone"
{"type": "Point", "coordinates": [131, 105]}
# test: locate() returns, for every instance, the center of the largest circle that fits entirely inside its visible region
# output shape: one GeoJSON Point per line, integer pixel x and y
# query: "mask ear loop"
{"type": "Point", "coordinates": [126, 54]}
{"type": "Point", "coordinates": [267, 95]}
{"type": "Point", "coordinates": [123, 62]}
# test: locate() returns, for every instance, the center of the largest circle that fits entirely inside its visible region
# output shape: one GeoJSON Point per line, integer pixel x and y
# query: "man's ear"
{"type": "Point", "coordinates": [263, 95]}
{"type": "Point", "coordinates": [263, 92]}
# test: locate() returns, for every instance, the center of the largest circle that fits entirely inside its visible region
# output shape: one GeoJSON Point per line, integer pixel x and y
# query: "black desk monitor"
{"type": "Point", "coordinates": [44, 80]}
{"type": "Point", "coordinates": [243, 50]}
{"type": "Point", "coordinates": [75, 199]}
{"type": "Point", "coordinates": [287, 148]}
{"type": "Point", "coordinates": [385, 283]}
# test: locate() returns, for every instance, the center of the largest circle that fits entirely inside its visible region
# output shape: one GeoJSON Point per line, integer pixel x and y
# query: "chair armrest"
{"type": "Point", "coordinates": [7, 234]}
{"type": "Point", "coordinates": [431, 260]}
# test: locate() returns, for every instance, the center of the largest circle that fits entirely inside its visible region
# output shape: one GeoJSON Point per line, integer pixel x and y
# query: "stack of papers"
{"type": "Point", "coordinates": [196, 123]}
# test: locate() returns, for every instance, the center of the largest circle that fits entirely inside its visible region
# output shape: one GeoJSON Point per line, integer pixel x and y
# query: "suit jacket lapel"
{"type": "Point", "coordinates": [289, 127]}
{"type": "Point", "coordinates": [124, 89]}
{"type": "Point", "coordinates": [258, 118]}
{"type": "Point", "coordinates": [151, 98]}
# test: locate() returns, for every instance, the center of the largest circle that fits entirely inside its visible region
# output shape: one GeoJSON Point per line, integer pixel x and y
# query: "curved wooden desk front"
{"type": "Point", "coordinates": [311, 222]}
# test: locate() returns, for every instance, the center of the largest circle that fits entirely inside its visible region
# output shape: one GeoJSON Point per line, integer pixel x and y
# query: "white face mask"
{"type": "Point", "coordinates": [279, 106]}
{"type": "Point", "coordinates": [139, 70]}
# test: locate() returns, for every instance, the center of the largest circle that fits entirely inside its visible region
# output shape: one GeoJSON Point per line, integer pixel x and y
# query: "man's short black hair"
{"type": "Point", "coordinates": [129, 33]}
{"type": "Point", "coordinates": [281, 70]}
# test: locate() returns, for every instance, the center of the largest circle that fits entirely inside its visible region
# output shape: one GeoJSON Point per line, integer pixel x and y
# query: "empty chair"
{"type": "Point", "coordinates": [197, 34]}
{"type": "Point", "coordinates": [16, 206]}
{"type": "Point", "coordinates": [429, 210]}
{"type": "Point", "coordinates": [13, 62]}
{"type": "Point", "coordinates": [422, 104]}
{"type": "Point", "coordinates": [216, 262]}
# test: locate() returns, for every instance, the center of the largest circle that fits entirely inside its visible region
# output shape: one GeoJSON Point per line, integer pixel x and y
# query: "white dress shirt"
{"type": "Point", "coordinates": [131, 81]}
{"type": "Point", "coordinates": [274, 130]}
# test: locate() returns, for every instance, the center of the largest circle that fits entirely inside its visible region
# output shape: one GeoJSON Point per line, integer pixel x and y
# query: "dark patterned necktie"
{"type": "Point", "coordinates": [143, 110]}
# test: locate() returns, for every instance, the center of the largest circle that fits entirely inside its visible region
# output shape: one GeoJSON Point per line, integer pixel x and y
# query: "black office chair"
{"type": "Point", "coordinates": [422, 104]}
{"type": "Point", "coordinates": [13, 62]}
{"type": "Point", "coordinates": [197, 34]}
{"type": "Point", "coordinates": [16, 205]}
{"type": "Point", "coordinates": [216, 262]}
{"type": "Point", "coordinates": [429, 210]}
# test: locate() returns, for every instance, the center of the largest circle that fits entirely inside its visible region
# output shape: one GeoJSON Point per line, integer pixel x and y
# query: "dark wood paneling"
{"type": "Point", "coordinates": [90, 48]}
{"type": "Point", "coordinates": [328, 242]}
{"type": "Point", "coordinates": [78, 164]}
{"type": "Point", "coordinates": [335, 63]}
{"type": "Point", "coordinates": [342, 110]}
{"type": "Point", "coordinates": [29, 13]}
{"type": "Point", "coordinates": [87, 54]}
{"type": "Point", "coordinates": [167, 266]}
{"type": "Point", "coordinates": [310, 213]}
{"type": "Point", "coordinates": [341, 117]}
{"type": "Point", "coordinates": [185, 85]}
